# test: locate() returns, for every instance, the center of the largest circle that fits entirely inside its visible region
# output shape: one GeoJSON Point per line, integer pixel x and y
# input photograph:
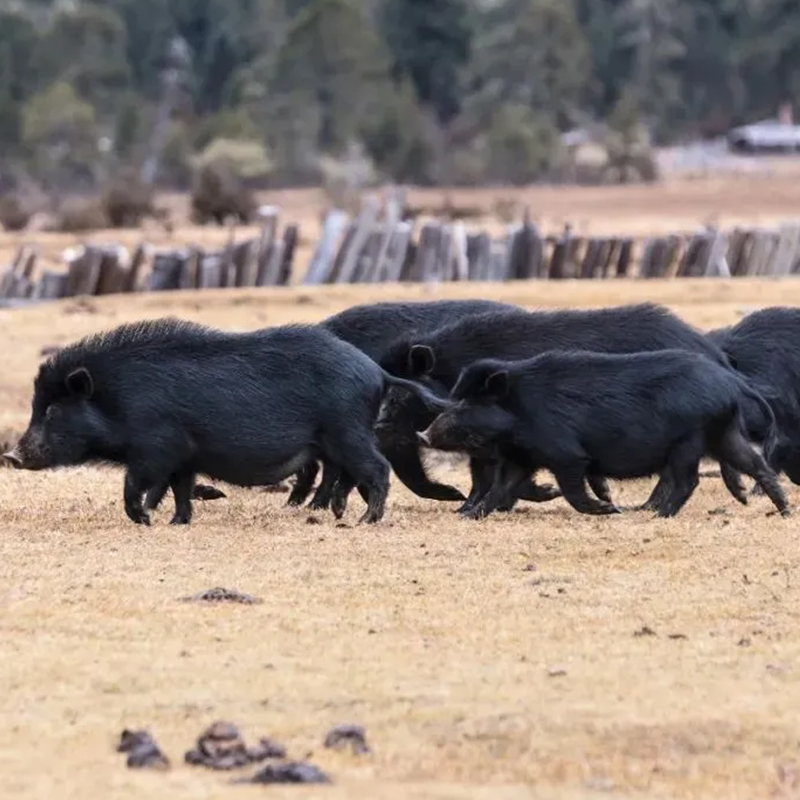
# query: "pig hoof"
{"type": "Point", "coordinates": [180, 519]}
{"type": "Point", "coordinates": [549, 492]}
{"type": "Point", "coordinates": [319, 504]}
{"type": "Point", "coordinates": [663, 513]}
{"type": "Point", "coordinates": [140, 518]}
{"type": "Point", "coordinates": [203, 492]}
{"type": "Point", "coordinates": [786, 513]}
{"type": "Point", "coordinates": [338, 507]}
{"type": "Point", "coordinates": [476, 512]}
{"type": "Point", "coordinates": [296, 499]}
{"type": "Point", "coordinates": [370, 518]}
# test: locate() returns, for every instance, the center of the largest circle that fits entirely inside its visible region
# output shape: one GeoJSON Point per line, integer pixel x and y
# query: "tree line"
{"type": "Point", "coordinates": [423, 91]}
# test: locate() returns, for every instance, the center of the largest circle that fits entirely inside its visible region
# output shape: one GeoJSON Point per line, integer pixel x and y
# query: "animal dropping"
{"type": "Point", "coordinates": [221, 595]}
{"type": "Point", "coordinates": [142, 750]}
{"type": "Point", "coordinates": [343, 736]}
{"type": "Point", "coordinates": [221, 747]}
{"type": "Point", "coordinates": [290, 772]}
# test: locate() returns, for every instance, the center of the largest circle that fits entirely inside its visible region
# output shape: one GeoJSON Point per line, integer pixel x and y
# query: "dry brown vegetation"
{"type": "Point", "coordinates": [486, 660]}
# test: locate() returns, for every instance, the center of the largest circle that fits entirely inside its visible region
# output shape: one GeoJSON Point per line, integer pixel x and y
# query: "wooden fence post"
{"type": "Point", "coordinates": [320, 266]}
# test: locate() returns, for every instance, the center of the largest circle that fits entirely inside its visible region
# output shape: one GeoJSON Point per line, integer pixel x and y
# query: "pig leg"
{"type": "Point", "coordinates": [733, 482]}
{"type": "Point", "coordinates": [599, 485]}
{"type": "Point", "coordinates": [201, 491]}
{"type": "Point", "coordinates": [537, 493]}
{"type": "Point", "coordinates": [132, 494]}
{"type": "Point", "coordinates": [322, 497]}
{"type": "Point", "coordinates": [571, 481]}
{"type": "Point", "coordinates": [482, 472]}
{"type": "Point", "coordinates": [344, 485]}
{"type": "Point", "coordinates": [155, 494]}
{"type": "Point", "coordinates": [734, 448]}
{"type": "Point", "coordinates": [182, 484]}
{"type": "Point", "coordinates": [506, 505]}
{"type": "Point", "coordinates": [355, 453]}
{"type": "Point", "coordinates": [507, 476]}
{"type": "Point", "coordinates": [407, 465]}
{"type": "Point", "coordinates": [303, 484]}
{"type": "Point", "coordinates": [684, 466]}
{"type": "Point", "coordinates": [659, 494]}
{"type": "Point", "coordinates": [792, 473]}
{"type": "Point", "coordinates": [781, 460]}
{"type": "Point", "coordinates": [529, 490]}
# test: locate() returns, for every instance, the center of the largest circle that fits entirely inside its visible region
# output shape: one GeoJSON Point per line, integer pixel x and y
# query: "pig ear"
{"type": "Point", "coordinates": [79, 382]}
{"type": "Point", "coordinates": [497, 384]}
{"type": "Point", "coordinates": [421, 360]}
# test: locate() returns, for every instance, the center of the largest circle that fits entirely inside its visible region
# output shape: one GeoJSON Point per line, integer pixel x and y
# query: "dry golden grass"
{"type": "Point", "coordinates": [437, 634]}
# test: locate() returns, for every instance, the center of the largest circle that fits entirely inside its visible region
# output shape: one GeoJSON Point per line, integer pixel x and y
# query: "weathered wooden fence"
{"type": "Point", "coordinates": [108, 269]}
{"type": "Point", "coordinates": [380, 245]}
{"type": "Point", "coordinates": [366, 250]}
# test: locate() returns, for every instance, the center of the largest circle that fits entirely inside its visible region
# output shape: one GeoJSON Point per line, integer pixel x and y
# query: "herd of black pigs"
{"type": "Point", "coordinates": [623, 392]}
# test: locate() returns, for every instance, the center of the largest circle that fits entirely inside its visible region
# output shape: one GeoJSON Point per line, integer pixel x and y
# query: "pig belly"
{"type": "Point", "coordinates": [243, 472]}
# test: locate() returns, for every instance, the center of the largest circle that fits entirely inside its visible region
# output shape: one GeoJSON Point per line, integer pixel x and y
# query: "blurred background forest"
{"type": "Point", "coordinates": [273, 93]}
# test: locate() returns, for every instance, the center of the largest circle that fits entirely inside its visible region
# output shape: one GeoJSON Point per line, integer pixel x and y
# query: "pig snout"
{"type": "Point", "coordinates": [30, 452]}
{"type": "Point", "coordinates": [425, 437]}
{"type": "Point", "coordinates": [14, 458]}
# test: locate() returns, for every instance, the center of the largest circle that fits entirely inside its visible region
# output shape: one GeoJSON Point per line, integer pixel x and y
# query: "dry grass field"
{"type": "Point", "coordinates": [486, 660]}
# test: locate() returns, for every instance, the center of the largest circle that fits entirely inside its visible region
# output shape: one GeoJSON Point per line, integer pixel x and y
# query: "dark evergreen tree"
{"type": "Point", "coordinates": [430, 42]}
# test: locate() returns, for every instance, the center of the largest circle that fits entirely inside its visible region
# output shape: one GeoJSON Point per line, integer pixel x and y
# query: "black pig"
{"type": "Point", "coordinates": [585, 415]}
{"type": "Point", "coordinates": [762, 347]}
{"type": "Point", "coordinates": [373, 328]}
{"type": "Point", "coordinates": [170, 399]}
{"type": "Point", "coordinates": [436, 360]}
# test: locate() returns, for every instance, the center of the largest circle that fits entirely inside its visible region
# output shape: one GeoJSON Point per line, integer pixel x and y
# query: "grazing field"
{"type": "Point", "coordinates": [536, 654]}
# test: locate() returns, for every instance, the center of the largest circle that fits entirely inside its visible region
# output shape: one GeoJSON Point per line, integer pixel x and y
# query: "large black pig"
{"type": "Point", "coordinates": [436, 360]}
{"type": "Point", "coordinates": [170, 399]}
{"type": "Point", "coordinates": [373, 328]}
{"type": "Point", "coordinates": [588, 415]}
